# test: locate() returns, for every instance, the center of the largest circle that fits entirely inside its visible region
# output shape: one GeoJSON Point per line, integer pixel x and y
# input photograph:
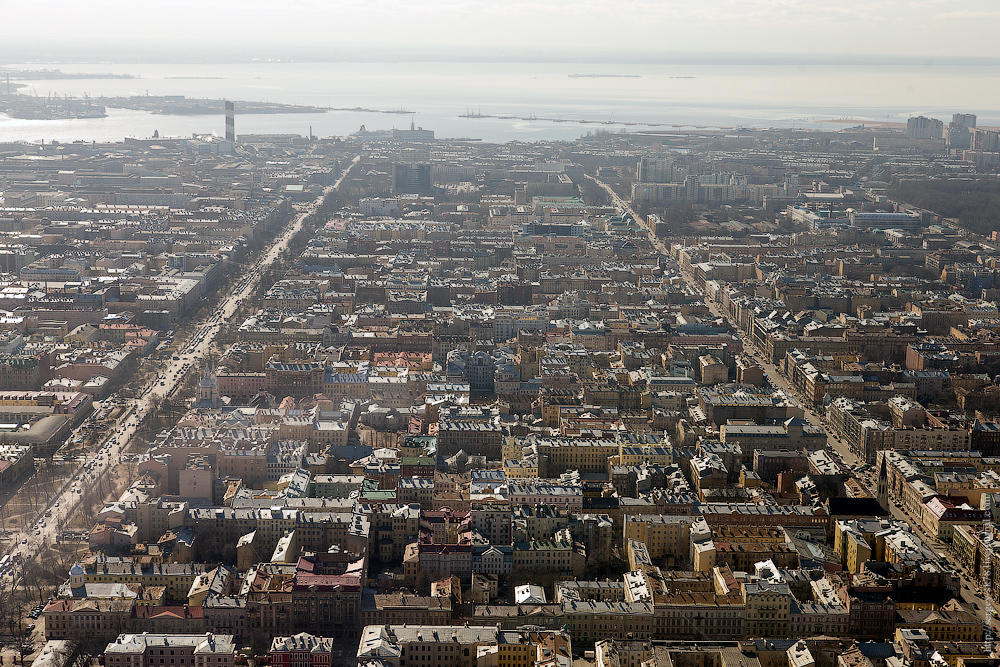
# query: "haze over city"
{"type": "Point", "coordinates": [592, 30]}
{"type": "Point", "coordinates": [469, 334]}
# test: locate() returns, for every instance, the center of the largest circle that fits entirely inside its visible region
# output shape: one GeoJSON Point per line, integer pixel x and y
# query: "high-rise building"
{"type": "Point", "coordinates": [921, 127]}
{"type": "Point", "coordinates": [230, 121]}
{"type": "Point", "coordinates": [966, 119]}
{"type": "Point", "coordinates": [655, 170]}
{"type": "Point", "coordinates": [791, 185]}
{"type": "Point", "coordinates": [412, 178]}
{"type": "Point", "coordinates": [958, 136]}
{"type": "Point", "coordinates": [985, 140]}
{"type": "Point", "coordinates": [691, 188]}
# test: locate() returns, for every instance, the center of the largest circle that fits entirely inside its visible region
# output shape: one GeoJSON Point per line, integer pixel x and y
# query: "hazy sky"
{"type": "Point", "coordinates": [367, 29]}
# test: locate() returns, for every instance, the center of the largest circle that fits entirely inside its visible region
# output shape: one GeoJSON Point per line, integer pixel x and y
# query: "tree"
{"type": "Point", "coordinates": [593, 194]}
{"type": "Point", "coordinates": [116, 621]}
{"type": "Point", "coordinates": [423, 583]}
{"type": "Point", "coordinates": [24, 646]}
{"type": "Point", "coordinates": [33, 491]}
{"type": "Point", "coordinates": [131, 468]}
{"type": "Point", "coordinates": [34, 579]}
{"type": "Point", "coordinates": [87, 501]}
{"type": "Point", "coordinates": [679, 215]}
{"type": "Point", "coordinates": [14, 612]}
{"type": "Point", "coordinates": [975, 203]}
{"type": "Point", "coordinates": [259, 639]}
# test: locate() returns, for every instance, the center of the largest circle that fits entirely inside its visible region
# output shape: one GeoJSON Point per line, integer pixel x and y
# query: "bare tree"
{"type": "Point", "coordinates": [87, 500]}
{"type": "Point", "coordinates": [14, 613]}
{"type": "Point", "coordinates": [33, 491]}
{"type": "Point", "coordinates": [6, 608]}
{"type": "Point", "coordinates": [33, 579]}
{"type": "Point", "coordinates": [4, 515]}
{"type": "Point", "coordinates": [24, 646]}
{"type": "Point", "coordinates": [103, 486]}
{"type": "Point", "coordinates": [64, 560]}
{"type": "Point", "coordinates": [43, 576]}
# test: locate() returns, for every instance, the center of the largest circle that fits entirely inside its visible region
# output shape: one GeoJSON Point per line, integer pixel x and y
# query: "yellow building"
{"type": "Point", "coordinates": [859, 540]}
{"type": "Point", "coordinates": [540, 555]}
{"type": "Point", "coordinates": [768, 609]}
{"type": "Point", "coordinates": [585, 455]}
{"type": "Point", "coordinates": [637, 455]}
{"type": "Point", "coordinates": [526, 468]}
{"type": "Point", "coordinates": [514, 651]}
{"type": "Point", "coordinates": [942, 625]}
{"type": "Point", "coordinates": [665, 536]}
{"type": "Point", "coordinates": [955, 654]}
{"type": "Point", "coordinates": [176, 578]}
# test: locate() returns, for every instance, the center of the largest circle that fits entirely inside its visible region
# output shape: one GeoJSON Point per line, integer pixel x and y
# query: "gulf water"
{"type": "Point", "coordinates": [652, 96]}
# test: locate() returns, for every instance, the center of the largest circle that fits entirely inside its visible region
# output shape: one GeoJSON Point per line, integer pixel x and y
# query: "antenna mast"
{"type": "Point", "coordinates": [987, 574]}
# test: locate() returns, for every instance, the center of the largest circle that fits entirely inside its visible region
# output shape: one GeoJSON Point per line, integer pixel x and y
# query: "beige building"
{"type": "Point", "coordinates": [667, 537]}
{"type": "Point", "coordinates": [611, 653]}
{"type": "Point", "coordinates": [768, 609]}
{"type": "Point", "coordinates": [77, 618]}
{"type": "Point", "coordinates": [147, 650]}
{"type": "Point", "coordinates": [402, 609]}
{"type": "Point", "coordinates": [424, 645]}
{"type": "Point", "coordinates": [538, 555]}
{"type": "Point", "coordinates": [713, 371]}
{"type": "Point", "coordinates": [589, 620]}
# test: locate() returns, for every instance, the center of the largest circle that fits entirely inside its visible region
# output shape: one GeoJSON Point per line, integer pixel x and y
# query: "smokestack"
{"type": "Point", "coordinates": [230, 122]}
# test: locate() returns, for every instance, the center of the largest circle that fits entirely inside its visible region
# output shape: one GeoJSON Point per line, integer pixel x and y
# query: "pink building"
{"type": "Point", "coordinates": [241, 386]}
{"type": "Point", "coordinates": [301, 650]}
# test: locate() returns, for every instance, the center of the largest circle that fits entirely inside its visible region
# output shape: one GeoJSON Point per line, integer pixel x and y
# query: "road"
{"type": "Point", "coordinates": [33, 538]}
{"type": "Point", "coordinates": [971, 589]}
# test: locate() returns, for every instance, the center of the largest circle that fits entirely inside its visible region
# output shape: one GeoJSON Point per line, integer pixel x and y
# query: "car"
{"type": "Point", "coordinates": [24, 541]}
{"type": "Point", "coordinates": [56, 504]}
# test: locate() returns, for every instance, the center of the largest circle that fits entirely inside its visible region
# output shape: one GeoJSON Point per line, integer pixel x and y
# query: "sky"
{"type": "Point", "coordinates": [516, 29]}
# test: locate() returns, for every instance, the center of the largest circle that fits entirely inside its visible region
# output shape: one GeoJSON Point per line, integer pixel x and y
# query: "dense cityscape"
{"type": "Point", "coordinates": [663, 398]}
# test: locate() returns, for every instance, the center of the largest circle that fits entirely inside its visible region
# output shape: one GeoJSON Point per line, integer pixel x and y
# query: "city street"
{"type": "Point", "coordinates": [971, 588]}
{"type": "Point", "coordinates": [32, 539]}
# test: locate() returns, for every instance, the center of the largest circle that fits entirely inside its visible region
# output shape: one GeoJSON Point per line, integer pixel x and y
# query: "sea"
{"type": "Point", "coordinates": [518, 101]}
